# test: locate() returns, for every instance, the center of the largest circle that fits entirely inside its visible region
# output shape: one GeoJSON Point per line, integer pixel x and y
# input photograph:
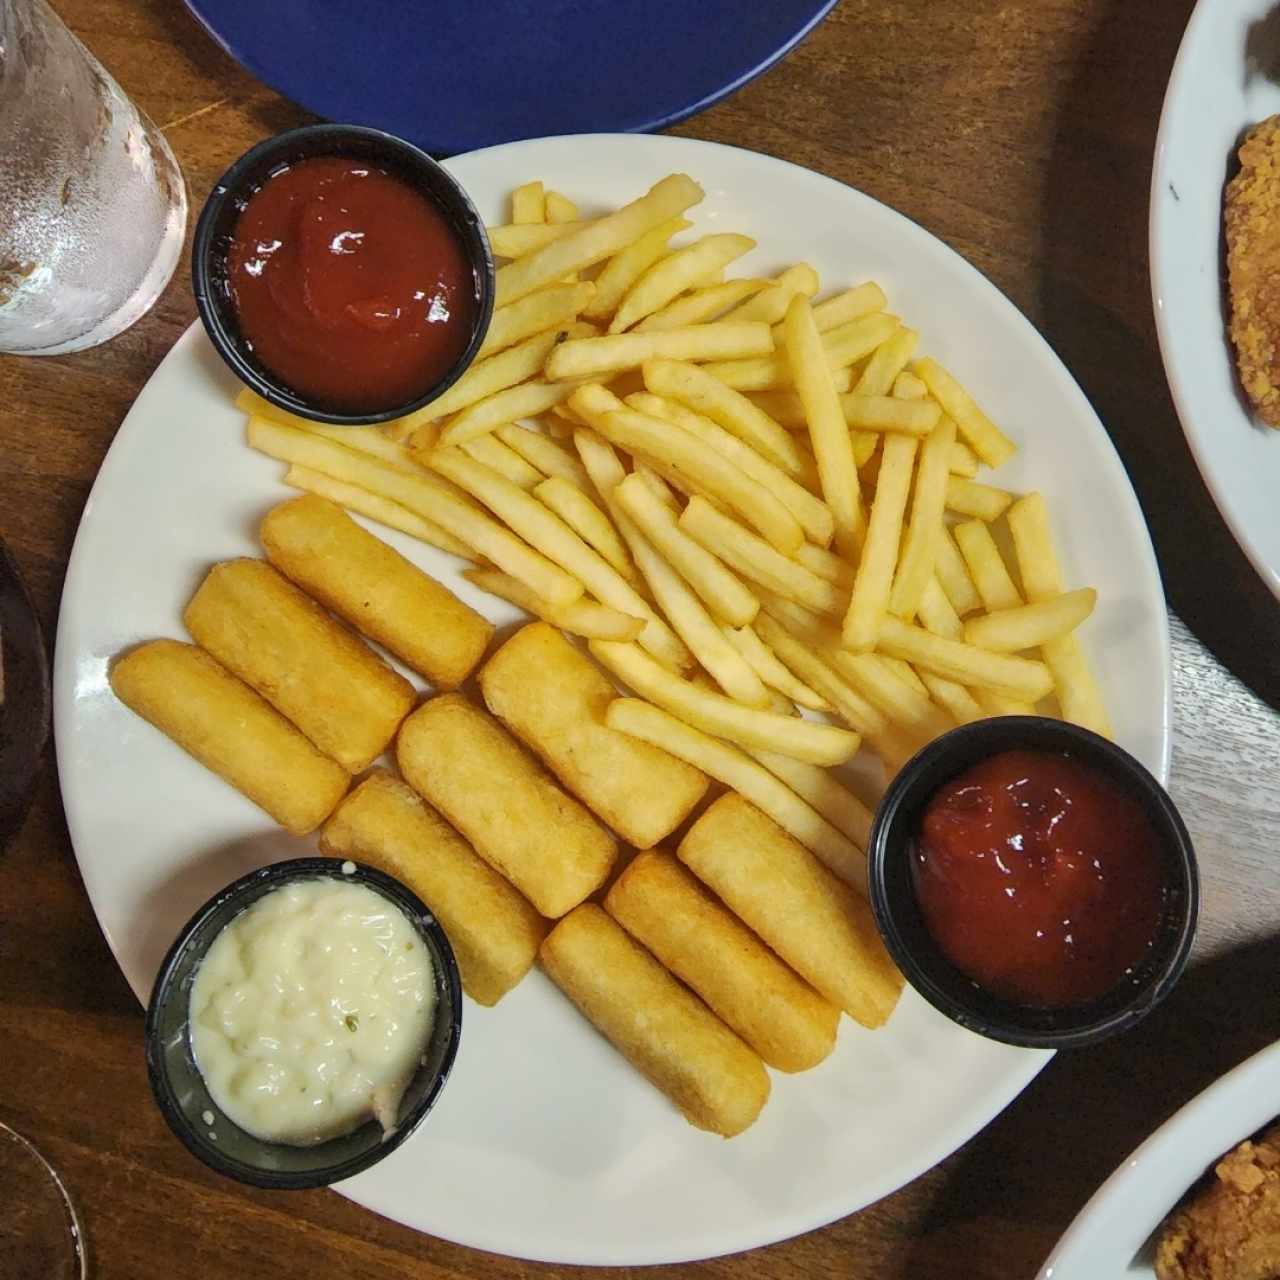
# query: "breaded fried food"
{"type": "Point", "coordinates": [225, 725]}
{"type": "Point", "coordinates": [310, 668]}
{"type": "Point", "coordinates": [494, 932]}
{"type": "Point", "coordinates": [659, 1026]}
{"type": "Point", "coordinates": [1230, 1230]}
{"type": "Point", "coordinates": [373, 587]}
{"type": "Point", "coordinates": [776, 1012]}
{"type": "Point", "coordinates": [462, 761]}
{"type": "Point", "coordinates": [1252, 222]}
{"type": "Point", "coordinates": [816, 923]}
{"type": "Point", "coordinates": [553, 698]}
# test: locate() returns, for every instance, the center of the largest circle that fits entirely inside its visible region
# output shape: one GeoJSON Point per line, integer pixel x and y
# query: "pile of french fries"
{"type": "Point", "coordinates": [747, 501]}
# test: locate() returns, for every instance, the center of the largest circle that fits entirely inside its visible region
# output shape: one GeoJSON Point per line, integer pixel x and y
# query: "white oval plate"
{"type": "Point", "coordinates": [1111, 1236]}
{"type": "Point", "coordinates": [1214, 94]}
{"type": "Point", "coordinates": [545, 1144]}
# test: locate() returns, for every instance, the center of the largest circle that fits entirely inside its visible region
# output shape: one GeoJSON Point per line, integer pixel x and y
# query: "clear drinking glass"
{"type": "Point", "coordinates": [92, 204]}
{"type": "Point", "coordinates": [40, 1233]}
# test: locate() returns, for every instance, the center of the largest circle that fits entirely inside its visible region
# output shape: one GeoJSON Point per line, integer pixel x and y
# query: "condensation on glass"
{"type": "Point", "coordinates": [92, 205]}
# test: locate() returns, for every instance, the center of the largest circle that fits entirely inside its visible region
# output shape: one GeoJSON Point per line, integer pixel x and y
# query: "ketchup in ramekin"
{"type": "Point", "coordinates": [349, 284]}
{"type": "Point", "coordinates": [1039, 878]}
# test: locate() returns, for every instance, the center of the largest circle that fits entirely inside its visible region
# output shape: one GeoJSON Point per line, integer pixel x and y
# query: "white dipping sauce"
{"type": "Point", "coordinates": [311, 1011]}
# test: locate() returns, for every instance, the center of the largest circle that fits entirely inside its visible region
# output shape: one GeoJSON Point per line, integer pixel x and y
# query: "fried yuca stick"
{"type": "Point", "coordinates": [551, 536]}
{"type": "Point", "coordinates": [375, 589]}
{"type": "Point", "coordinates": [554, 699]}
{"type": "Point", "coordinates": [310, 668]}
{"type": "Point", "coordinates": [737, 770]}
{"type": "Point", "coordinates": [586, 618]}
{"type": "Point", "coordinates": [827, 430]}
{"type": "Point", "coordinates": [425, 495]}
{"type": "Point", "coordinates": [225, 725]}
{"type": "Point", "coordinates": [464, 763]}
{"type": "Point", "coordinates": [495, 933]}
{"type": "Point", "coordinates": [776, 1012]}
{"type": "Point", "coordinates": [816, 923]}
{"type": "Point", "coordinates": [721, 716]}
{"type": "Point", "coordinates": [602, 238]}
{"type": "Point", "coordinates": [659, 1026]}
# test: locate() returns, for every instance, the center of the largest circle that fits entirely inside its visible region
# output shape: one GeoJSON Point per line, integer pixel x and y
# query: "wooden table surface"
{"type": "Point", "coordinates": [1021, 133]}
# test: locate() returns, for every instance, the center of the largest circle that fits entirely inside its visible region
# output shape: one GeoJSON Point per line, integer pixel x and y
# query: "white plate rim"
{"type": "Point", "coordinates": [950, 1137]}
{"type": "Point", "coordinates": [1121, 1215]}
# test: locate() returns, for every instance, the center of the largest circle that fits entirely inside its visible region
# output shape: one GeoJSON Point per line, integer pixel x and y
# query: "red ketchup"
{"type": "Point", "coordinates": [350, 286]}
{"type": "Point", "coordinates": [1039, 878]}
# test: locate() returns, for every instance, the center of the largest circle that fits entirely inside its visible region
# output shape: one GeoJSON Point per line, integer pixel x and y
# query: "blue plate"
{"type": "Point", "coordinates": [453, 76]}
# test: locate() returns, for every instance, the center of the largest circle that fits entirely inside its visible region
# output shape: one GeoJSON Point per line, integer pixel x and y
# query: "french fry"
{"type": "Point", "coordinates": [827, 430]}
{"type": "Point", "coordinates": [733, 767]}
{"type": "Point", "coordinates": [484, 416]}
{"type": "Point", "coordinates": [655, 483]}
{"type": "Point", "coordinates": [586, 618]}
{"type": "Point", "coordinates": [490, 452]}
{"type": "Point", "coordinates": [920, 546]}
{"type": "Point", "coordinates": [963, 461]}
{"type": "Point", "coordinates": [673, 449]}
{"type": "Point", "coordinates": [1031, 625]}
{"type": "Point", "coordinates": [821, 789]}
{"type": "Point", "coordinates": [770, 304]}
{"type": "Point", "coordinates": [598, 240]}
{"type": "Point", "coordinates": [427, 498]}
{"type": "Point", "coordinates": [718, 588]}
{"type": "Point", "coordinates": [766, 665]}
{"type": "Point", "coordinates": [874, 580]}
{"type": "Point", "coordinates": [826, 564]}
{"type": "Point", "coordinates": [708, 303]}
{"type": "Point", "coordinates": [936, 612]}
{"type": "Point", "coordinates": [1038, 564]}
{"type": "Point", "coordinates": [852, 304]}
{"type": "Point", "coordinates": [698, 390]}
{"type": "Point", "coordinates": [554, 698]}
{"type": "Point", "coordinates": [869, 674]}
{"type": "Point", "coordinates": [988, 441]}
{"type": "Point", "coordinates": [1021, 678]}
{"type": "Point", "coordinates": [865, 443]}
{"type": "Point", "coordinates": [582, 515]}
{"type": "Point", "coordinates": [721, 716]}
{"type": "Point", "coordinates": [887, 361]}
{"type": "Point", "coordinates": [629, 264]}
{"type": "Point", "coordinates": [678, 271]}
{"type": "Point", "coordinates": [810, 512]}
{"type": "Point", "coordinates": [376, 507]}
{"type": "Point", "coordinates": [981, 501]}
{"type": "Point", "coordinates": [820, 927]}
{"type": "Point", "coordinates": [528, 204]}
{"type": "Point", "coordinates": [720, 340]}
{"type": "Point", "coordinates": [906, 386]}
{"type": "Point", "coordinates": [953, 575]}
{"type": "Point", "coordinates": [557, 305]}
{"type": "Point", "coordinates": [485, 378]}
{"type": "Point", "coordinates": [905, 671]}
{"type": "Point", "coordinates": [753, 557]}
{"type": "Point", "coordinates": [953, 698]}
{"type": "Point", "coordinates": [699, 631]}
{"type": "Point", "coordinates": [986, 565]}
{"type": "Point", "coordinates": [560, 209]}
{"type": "Point", "coordinates": [549, 534]}
{"type": "Point", "coordinates": [704, 944]}
{"type": "Point", "coordinates": [545, 454]}
{"type": "Point", "coordinates": [884, 413]}
{"type": "Point", "coordinates": [841, 347]}
{"type": "Point", "coordinates": [655, 1022]}
{"type": "Point", "coordinates": [515, 240]}
{"type": "Point", "coordinates": [995, 704]}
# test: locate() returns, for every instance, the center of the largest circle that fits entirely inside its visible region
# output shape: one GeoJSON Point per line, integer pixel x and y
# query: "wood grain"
{"type": "Point", "coordinates": [1020, 132]}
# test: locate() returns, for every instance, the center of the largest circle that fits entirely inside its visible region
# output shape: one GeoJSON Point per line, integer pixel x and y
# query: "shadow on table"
{"type": "Point", "coordinates": [1096, 310]}
{"type": "Point", "coordinates": [1038, 1163]}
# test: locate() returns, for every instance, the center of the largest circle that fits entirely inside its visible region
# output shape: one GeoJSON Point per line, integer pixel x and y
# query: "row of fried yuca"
{"type": "Point", "coordinates": [290, 659]}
